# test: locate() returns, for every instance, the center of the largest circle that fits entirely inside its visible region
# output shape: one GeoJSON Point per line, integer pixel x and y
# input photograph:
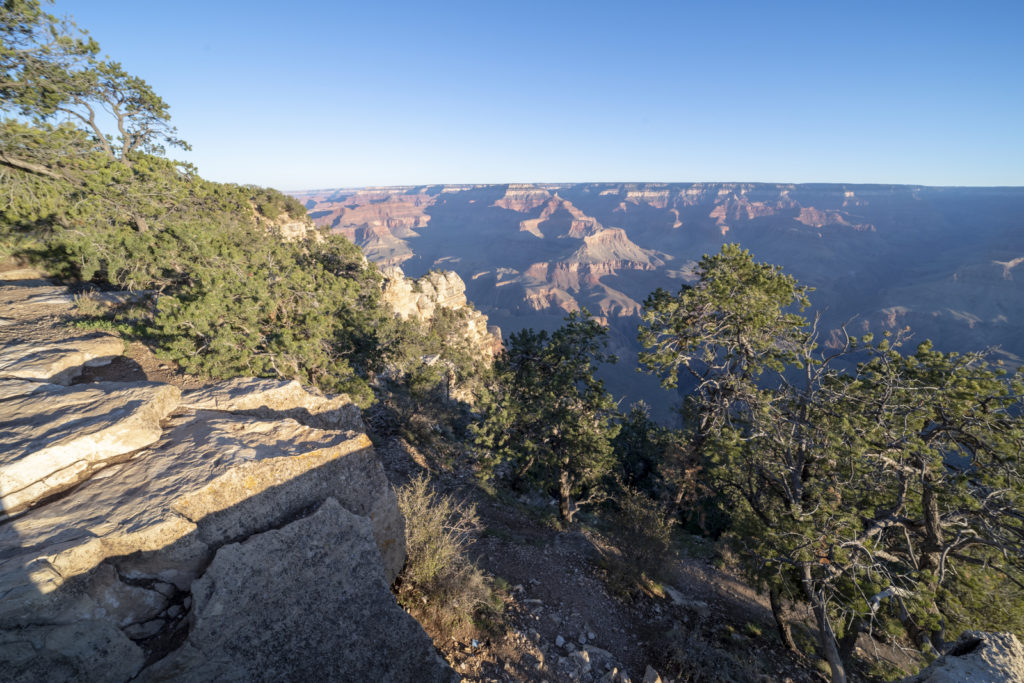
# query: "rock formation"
{"type": "Point", "coordinates": [419, 299]}
{"type": "Point", "coordinates": [240, 530]}
{"type": "Point", "coordinates": [977, 657]}
{"type": "Point", "coordinates": [57, 361]}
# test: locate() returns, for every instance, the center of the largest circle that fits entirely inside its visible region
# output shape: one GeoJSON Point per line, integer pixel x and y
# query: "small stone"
{"type": "Point", "coordinates": [163, 588]}
{"type": "Point", "coordinates": [559, 641]}
{"type": "Point", "coordinates": [590, 635]}
{"type": "Point", "coordinates": [651, 675]}
{"type": "Point", "coordinates": [145, 630]}
{"type": "Point", "coordinates": [583, 639]}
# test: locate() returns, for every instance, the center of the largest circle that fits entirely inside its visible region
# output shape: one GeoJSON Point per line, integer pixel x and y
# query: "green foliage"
{"type": "Point", "coordinates": [740, 304]}
{"type": "Point", "coordinates": [436, 359]}
{"type": "Point", "coordinates": [657, 460]}
{"type": "Point", "coordinates": [887, 495]}
{"type": "Point", "coordinates": [49, 68]}
{"type": "Point", "coordinates": [548, 416]}
{"type": "Point", "coordinates": [644, 529]}
{"type": "Point", "coordinates": [273, 204]}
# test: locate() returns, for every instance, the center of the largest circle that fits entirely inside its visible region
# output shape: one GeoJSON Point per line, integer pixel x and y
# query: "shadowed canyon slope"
{"type": "Point", "coordinates": [944, 261]}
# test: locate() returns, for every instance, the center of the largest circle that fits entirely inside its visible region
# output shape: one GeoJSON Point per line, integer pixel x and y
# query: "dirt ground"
{"type": "Point", "coordinates": [697, 623]}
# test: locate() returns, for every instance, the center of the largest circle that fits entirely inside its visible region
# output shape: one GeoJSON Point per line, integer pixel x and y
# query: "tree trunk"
{"type": "Point", "coordinates": [826, 636]}
{"type": "Point", "coordinates": [931, 561]}
{"type": "Point", "coordinates": [566, 508]}
{"type": "Point", "coordinates": [23, 165]}
{"type": "Point", "coordinates": [785, 633]}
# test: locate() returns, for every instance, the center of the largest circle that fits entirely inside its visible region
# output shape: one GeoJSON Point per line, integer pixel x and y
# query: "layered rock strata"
{"type": "Point", "coordinates": [420, 299]}
{"type": "Point", "coordinates": [242, 531]}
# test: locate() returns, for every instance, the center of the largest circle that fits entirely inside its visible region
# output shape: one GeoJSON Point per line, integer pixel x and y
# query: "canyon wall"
{"type": "Point", "coordinates": [942, 261]}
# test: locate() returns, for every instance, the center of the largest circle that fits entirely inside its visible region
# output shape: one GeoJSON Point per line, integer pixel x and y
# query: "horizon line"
{"type": "Point", "coordinates": [541, 185]}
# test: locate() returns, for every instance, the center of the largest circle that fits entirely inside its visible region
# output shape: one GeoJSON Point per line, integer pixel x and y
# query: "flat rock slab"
{"type": "Point", "coordinates": [55, 437]}
{"type": "Point", "coordinates": [212, 479]}
{"type": "Point", "coordinates": [58, 361]}
{"type": "Point", "coordinates": [276, 398]}
{"type": "Point", "coordinates": [302, 603]}
{"type": "Point", "coordinates": [119, 549]}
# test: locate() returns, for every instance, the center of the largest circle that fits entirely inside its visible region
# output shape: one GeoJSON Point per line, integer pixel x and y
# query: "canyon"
{"type": "Point", "coordinates": [943, 261]}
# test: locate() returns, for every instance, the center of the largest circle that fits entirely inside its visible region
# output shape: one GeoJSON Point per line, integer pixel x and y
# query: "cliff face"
{"type": "Point", "coordinates": [419, 299]}
{"type": "Point", "coordinates": [239, 530]}
{"type": "Point", "coordinates": [586, 234]}
{"type": "Point", "coordinates": [880, 257]}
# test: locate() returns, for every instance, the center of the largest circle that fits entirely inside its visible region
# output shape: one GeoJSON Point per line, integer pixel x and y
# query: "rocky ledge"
{"type": "Point", "coordinates": [240, 531]}
{"type": "Point", "coordinates": [977, 656]}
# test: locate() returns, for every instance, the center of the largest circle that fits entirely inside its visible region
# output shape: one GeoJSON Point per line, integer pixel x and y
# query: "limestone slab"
{"type": "Point", "coordinates": [305, 602]}
{"type": "Point", "coordinates": [212, 479]}
{"type": "Point", "coordinates": [977, 656]}
{"type": "Point", "coordinates": [276, 398]}
{"type": "Point", "coordinates": [57, 361]}
{"type": "Point", "coordinates": [113, 551]}
{"type": "Point", "coordinates": [55, 437]}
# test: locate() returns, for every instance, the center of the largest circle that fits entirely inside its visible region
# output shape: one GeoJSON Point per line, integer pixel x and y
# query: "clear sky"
{"type": "Point", "coordinates": [329, 94]}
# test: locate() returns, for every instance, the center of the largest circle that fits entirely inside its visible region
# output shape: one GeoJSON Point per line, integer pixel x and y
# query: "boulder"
{"type": "Point", "coordinates": [305, 602]}
{"type": "Point", "coordinates": [53, 437]}
{"type": "Point", "coordinates": [58, 361]}
{"type": "Point", "coordinates": [277, 398]}
{"type": "Point", "coordinates": [977, 657]}
{"type": "Point", "coordinates": [125, 547]}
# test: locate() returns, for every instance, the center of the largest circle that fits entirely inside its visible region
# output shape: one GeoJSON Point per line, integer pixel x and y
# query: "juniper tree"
{"type": "Point", "coordinates": [549, 416]}
{"type": "Point", "coordinates": [882, 496]}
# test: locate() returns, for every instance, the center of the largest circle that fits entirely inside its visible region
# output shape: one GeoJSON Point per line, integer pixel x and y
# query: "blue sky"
{"type": "Point", "coordinates": [332, 94]}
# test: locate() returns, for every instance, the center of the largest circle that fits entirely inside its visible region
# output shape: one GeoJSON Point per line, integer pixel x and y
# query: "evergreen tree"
{"type": "Point", "coordinates": [883, 496]}
{"type": "Point", "coordinates": [549, 417]}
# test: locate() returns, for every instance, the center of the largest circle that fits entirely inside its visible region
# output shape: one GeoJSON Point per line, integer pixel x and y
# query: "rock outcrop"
{"type": "Point", "coordinates": [419, 299]}
{"type": "Point", "coordinates": [244, 530]}
{"type": "Point", "coordinates": [273, 398]}
{"type": "Point", "coordinates": [977, 657]}
{"type": "Point", "coordinates": [54, 437]}
{"type": "Point", "coordinates": [286, 587]}
{"type": "Point", "coordinates": [58, 361]}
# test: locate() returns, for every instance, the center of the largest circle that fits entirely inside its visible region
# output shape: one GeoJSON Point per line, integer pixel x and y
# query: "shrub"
{"type": "Point", "coordinates": [645, 530]}
{"type": "Point", "coordinates": [439, 578]}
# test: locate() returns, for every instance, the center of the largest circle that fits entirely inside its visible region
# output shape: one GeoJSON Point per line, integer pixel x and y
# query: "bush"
{"type": "Point", "coordinates": [439, 579]}
{"type": "Point", "coordinates": [230, 299]}
{"type": "Point", "coordinates": [645, 530]}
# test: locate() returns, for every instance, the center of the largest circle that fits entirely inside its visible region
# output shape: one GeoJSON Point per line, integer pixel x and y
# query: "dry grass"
{"type": "Point", "coordinates": [439, 581]}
